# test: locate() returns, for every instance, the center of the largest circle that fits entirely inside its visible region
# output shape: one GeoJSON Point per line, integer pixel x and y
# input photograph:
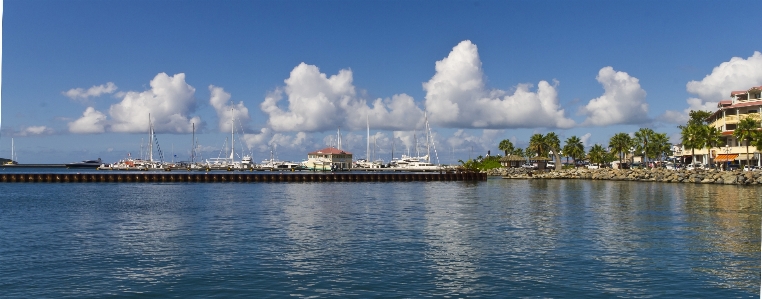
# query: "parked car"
{"type": "Point", "coordinates": [527, 165]}
{"type": "Point", "coordinates": [734, 166]}
{"type": "Point", "coordinates": [593, 166]}
{"type": "Point", "coordinates": [750, 168]}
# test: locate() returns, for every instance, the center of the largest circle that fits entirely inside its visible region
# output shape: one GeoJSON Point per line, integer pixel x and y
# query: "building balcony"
{"type": "Point", "coordinates": [734, 119]}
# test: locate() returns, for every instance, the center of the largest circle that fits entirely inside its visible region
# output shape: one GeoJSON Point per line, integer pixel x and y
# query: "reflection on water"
{"type": "Point", "coordinates": [515, 238]}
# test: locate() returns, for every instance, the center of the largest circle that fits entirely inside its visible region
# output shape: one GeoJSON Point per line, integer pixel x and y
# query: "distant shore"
{"type": "Point", "coordinates": [699, 176]}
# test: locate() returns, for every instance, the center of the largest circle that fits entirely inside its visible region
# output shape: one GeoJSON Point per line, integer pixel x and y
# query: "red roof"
{"type": "Point", "coordinates": [330, 150]}
{"type": "Point", "coordinates": [732, 93]}
{"type": "Point", "coordinates": [746, 104]}
{"type": "Point", "coordinates": [725, 103]}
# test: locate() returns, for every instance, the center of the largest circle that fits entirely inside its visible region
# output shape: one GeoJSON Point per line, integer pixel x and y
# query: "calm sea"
{"type": "Point", "coordinates": [500, 238]}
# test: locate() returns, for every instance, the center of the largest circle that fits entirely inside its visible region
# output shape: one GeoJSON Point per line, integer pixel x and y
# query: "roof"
{"type": "Point", "coordinates": [330, 150]}
{"type": "Point", "coordinates": [512, 158]}
{"type": "Point", "coordinates": [538, 158]}
{"type": "Point", "coordinates": [725, 103]}
{"type": "Point", "coordinates": [736, 92]}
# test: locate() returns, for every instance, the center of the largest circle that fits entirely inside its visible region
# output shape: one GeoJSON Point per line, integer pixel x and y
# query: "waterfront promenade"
{"type": "Point", "coordinates": [700, 176]}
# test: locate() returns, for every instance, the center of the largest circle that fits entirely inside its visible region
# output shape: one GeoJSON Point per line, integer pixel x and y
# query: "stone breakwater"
{"type": "Point", "coordinates": [699, 176]}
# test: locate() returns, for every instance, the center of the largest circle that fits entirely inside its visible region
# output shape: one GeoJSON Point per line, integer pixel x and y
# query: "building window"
{"type": "Point", "coordinates": [730, 127]}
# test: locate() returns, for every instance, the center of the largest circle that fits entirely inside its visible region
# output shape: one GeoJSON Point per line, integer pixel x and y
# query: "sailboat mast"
{"type": "Point", "coordinates": [338, 135]}
{"type": "Point", "coordinates": [232, 134]}
{"type": "Point", "coordinates": [193, 144]}
{"type": "Point", "coordinates": [428, 137]}
{"type": "Point", "coordinates": [13, 158]}
{"type": "Point", "coordinates": [392, 147]}
{"type": "Point", "coordinates": [150, 138]}
{"type": "Point", "coordinates": [367, 149]}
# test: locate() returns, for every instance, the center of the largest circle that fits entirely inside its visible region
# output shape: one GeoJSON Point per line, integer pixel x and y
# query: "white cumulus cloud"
{"type": "Point", "coordinates": [317, 102]}
{"type": "Point", "coordinates": [736, 74]}
{"type": "Point", "coordinates": [92, 121]}
{"type": "Point", "coordinates": [456, 97]}
{"type": "Point", "coordinates": [227, 110]}
{"type": "Point", "coordinates": [33, 131]}
{"type": "Point", "coordinates": [623, 100]}
{"type": "Point", "coordinates": [94, 91]}
{"type": "Point", "coordinates": [169, 102]}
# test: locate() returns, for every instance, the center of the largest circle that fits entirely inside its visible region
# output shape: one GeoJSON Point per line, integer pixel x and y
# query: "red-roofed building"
{"type": "Point", "coordinates": [742, 104]}
{"type": "Point", "coordinates": [329, 158]}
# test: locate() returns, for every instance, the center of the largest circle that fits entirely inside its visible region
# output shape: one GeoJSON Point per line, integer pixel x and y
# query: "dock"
{"type": "Point", "coordinates": [168, 177]}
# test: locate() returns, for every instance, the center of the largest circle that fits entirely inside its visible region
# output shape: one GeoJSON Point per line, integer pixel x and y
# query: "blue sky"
{"type": "Point", "coordinates": [296, 71]}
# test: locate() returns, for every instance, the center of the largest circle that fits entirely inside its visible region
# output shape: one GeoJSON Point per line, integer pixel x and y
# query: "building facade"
{"type": "Point", "coordinates": [742, 104]}
{"type": "Point", "coordinates": [328, 159]}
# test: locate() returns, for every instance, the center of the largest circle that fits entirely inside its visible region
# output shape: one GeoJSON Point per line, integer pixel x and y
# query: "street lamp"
{"type": "Point", "coordinates": [727, 156]}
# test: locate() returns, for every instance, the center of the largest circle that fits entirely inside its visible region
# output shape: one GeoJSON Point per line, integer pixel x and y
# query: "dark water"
{"type": "Point", "coordinates": [500, 238]}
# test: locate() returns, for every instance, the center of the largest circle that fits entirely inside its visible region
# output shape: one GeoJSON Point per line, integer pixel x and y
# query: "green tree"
{"type": "Point", "coordinates": [620, 144]}
{"type": "Point", "coordinates": [690, 136]}
{"type": "Point", "coordinates": [554, 144]}
{"type": "Point", "coordinates": [661, 146]}
{"type": "Point", "coordinates": [506, 146]}
{"type": "Point", "coordinates": [529, 153]}
{"type": "Point", "coordinates": [597, 154]}
{"type": "Point", "coordinates": [747, 130]}
{"type": "Point", "coordinates": [697, 117]}
{"type": "Point", "coordinates": [642, 137]}
{"type": "Point", "coordinates": [574, 148]}
{"type": "Point", "coordinates": [518, 152]}
{"type": "Point", "coordinates": [537, 145]}
{"type": "Point", "coordinates": [712, 137]}
{"type": "Point", "coordinates": [757, 142]}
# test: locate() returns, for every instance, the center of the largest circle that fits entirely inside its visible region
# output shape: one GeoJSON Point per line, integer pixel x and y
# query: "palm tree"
{"type": "Point", "coordinates": [574, 148]}
{"type": "Point", "coordinates": [552, 143]}
{"type": "Point", "coordinates": [529, 153]}
{"type": "Point", "coordinates": [506, 146]}
{"type": "Point", "coordinates": [712, 137]}
{"type": "Point", "coordinates": [620, 143]}
{"type": "Point", "coordinates": [757, 142]}
{"type": "Point", "coordinates": [597, 154]}
{"type": "Point", "coordinates": [518, 152]}
{"type": "Point", "coordinates": [642, 137]}
{"type": "Point", "coordinates": [661, 146]}
{"type": "Point", "coordinates": [690, 135]}
{"type": "Point", "coordinates": [537, 145]}
{"type": "Point", "coordinates": [746, 130]}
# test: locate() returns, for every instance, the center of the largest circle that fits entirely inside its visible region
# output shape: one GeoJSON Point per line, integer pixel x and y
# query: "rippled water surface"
{"type": "Point", "coordinates": [500, 238]}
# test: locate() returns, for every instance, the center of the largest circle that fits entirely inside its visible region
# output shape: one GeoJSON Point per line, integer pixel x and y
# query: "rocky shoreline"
{"type": "Point", "coordinates": [699, 176]}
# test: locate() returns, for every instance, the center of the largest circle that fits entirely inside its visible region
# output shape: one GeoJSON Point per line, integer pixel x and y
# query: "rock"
{"type": "Point", "coordinates": [729, 178]}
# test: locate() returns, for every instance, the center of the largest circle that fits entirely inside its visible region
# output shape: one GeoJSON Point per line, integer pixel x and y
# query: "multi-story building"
{"type": "Point", "coordinates": [742, 104]}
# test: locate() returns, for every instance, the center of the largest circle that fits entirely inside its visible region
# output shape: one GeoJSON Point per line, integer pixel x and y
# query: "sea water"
{"type": "Point", "coordinates": [499, 238]}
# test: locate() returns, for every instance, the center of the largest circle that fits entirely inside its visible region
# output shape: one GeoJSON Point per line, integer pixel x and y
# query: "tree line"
{"type": "Point", "coordinates": [646, 143]}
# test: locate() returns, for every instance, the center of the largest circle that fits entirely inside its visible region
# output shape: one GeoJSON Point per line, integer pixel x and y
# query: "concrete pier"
{"type": "Point", "coordinates": [148, 177]}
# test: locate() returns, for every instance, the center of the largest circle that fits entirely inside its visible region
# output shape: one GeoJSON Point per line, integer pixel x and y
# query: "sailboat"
{"type": "Point", "coordinates": [13, 157]}
{"type": "Point", "coordinates": [418, 163]}
{"type": "Point", "coordinates": [368, 161]}
{"type": "Point", "coordinates": [229, 163]}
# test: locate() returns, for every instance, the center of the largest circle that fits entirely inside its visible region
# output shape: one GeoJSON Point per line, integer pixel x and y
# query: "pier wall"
{"type": "Point", "coordinates": [149, 177]}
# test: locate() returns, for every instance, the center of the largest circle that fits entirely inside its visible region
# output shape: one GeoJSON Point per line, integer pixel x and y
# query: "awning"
{"type": "Point", "coordinates": [722, 158]}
